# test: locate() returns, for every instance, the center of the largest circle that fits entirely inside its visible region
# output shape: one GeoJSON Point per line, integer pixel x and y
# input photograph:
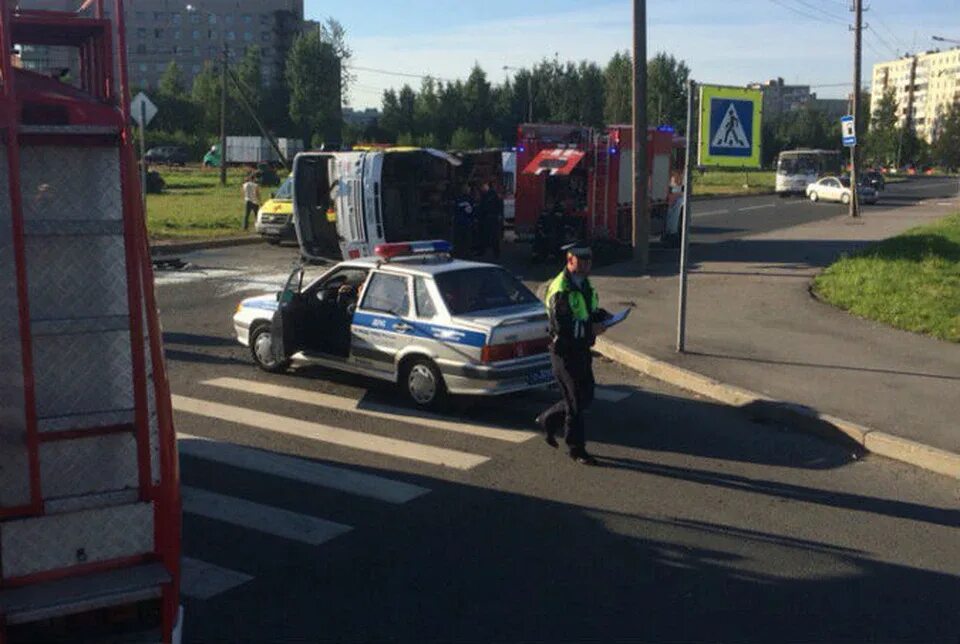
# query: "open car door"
{"type": "Point", "coordinates": [287, 329]}
{"type": "Point", "coordinates": [319, 197]}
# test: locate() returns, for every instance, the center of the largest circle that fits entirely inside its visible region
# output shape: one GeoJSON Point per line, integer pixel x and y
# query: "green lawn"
{"type": "Point", "coordinates": [911, 281]}
{"type": "Point", "coordinates": [195, 205]}
{"type": "Point", "coordinates": [729, 182]}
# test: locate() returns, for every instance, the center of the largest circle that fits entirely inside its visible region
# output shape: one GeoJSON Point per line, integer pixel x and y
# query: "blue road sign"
{"type": "Point", "coordinates": [731, 132]}
{"type": "Point", "coordinates": [848, 126]}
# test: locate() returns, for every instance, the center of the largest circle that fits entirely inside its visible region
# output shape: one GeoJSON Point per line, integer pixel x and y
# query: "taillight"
{"type": "Point", "coordinates": [499, 352]}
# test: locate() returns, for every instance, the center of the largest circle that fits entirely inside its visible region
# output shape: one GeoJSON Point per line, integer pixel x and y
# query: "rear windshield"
{"type": "Point", "coordinates": [480, 289]}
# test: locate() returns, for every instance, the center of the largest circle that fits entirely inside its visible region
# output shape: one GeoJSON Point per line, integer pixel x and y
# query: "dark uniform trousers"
{"type": "Point", "coordinates": [574, 372]}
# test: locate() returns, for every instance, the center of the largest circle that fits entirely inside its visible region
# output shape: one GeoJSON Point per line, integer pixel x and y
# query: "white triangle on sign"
{"type": "Point", "coordinates": [731, 134]}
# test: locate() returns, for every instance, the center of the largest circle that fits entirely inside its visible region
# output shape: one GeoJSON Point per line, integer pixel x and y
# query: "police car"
{"type": "Point", "coordinates": [410, 315]}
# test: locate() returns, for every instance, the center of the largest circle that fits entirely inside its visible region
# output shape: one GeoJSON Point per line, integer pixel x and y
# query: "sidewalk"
{"type": "Point", "coordinates": [753, 323]}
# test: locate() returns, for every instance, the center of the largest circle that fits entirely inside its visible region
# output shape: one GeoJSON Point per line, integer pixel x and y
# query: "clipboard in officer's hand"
{"type": "Point", "coordinates": [616, 319]}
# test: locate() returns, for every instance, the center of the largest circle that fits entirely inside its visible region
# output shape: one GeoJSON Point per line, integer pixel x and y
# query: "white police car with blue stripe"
{"type": "Point", "coordinates": [411, 315]}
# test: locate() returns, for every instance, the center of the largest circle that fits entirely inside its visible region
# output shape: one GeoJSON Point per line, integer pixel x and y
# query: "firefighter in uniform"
{"type": "Point", "coordinates": [575, 320]}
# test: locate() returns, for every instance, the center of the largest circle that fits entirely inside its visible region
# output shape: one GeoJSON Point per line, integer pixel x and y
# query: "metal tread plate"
{"type": "Point", "coordinates": [42, 544]}
{"type": "Point", "coordinates": [14, 456]}
{"type": "Point", "coordinates": [81, 594]}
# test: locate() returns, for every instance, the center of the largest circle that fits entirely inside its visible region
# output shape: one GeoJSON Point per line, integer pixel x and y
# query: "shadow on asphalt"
{"type": "Point", "coordinates": [469, 563]}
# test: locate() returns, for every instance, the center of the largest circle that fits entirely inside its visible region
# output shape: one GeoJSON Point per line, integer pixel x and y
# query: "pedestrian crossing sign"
{"type": "Point", "coordinates": [730, 126]}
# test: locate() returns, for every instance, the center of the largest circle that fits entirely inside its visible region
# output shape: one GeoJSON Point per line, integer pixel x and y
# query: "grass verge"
{"type": "Point", "coordinates": [732, 183]}
{"type": "Point", "coordinates": [195, 205]}
{"type": "Point", "coordinates": [911, 281]}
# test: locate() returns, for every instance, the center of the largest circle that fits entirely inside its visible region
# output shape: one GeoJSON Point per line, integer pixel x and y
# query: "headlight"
{"type": "Point", "coordinates": [239, 307]}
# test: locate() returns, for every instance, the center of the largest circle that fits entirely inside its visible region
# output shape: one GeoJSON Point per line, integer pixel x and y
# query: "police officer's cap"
{"type": "Point", "coordinates": [579, 249]}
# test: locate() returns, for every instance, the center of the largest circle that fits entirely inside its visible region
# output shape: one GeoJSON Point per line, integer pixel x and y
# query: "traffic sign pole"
{"type": "Point", "coordinates": [857, 60]}
{"type": "Point", "coordinates": [685, 218]}
{"type": "Point", "coordinates": [143, 157]}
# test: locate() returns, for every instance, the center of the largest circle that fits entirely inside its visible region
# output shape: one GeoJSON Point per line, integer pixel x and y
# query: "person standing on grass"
{"type": "Point", "coordinates": [251, 195]}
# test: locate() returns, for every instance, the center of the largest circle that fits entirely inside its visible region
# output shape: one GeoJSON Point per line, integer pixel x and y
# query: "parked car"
{"type": "Point", "coordinates": [412, 315]}
{"type": "Point", "coordinates": [838, 189]}
{"type": "Point", "coordinates": [167, 155]}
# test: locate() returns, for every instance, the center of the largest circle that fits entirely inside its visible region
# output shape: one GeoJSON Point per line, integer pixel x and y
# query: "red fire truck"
{"type": "Point", "coordinates": [89, 490]}
{"type": "Point", "coordinates": [585, 175]}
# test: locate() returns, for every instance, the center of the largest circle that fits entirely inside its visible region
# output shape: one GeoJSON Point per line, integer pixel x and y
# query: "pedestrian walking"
{"type": "Point", "coordinates": [464, 219]}
{"type": "Point", "coordinates": [576, 319]}
{"type": "Point", "coordinates": [491, 220]}
{"type": "Point", "coordinates": [251, 197]}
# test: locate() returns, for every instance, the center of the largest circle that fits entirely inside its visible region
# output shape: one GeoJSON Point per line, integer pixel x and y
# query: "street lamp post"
{"type": "Point", "coordinates": [223, 94]}
{"type": "Point", "coordinates": [529, 90]}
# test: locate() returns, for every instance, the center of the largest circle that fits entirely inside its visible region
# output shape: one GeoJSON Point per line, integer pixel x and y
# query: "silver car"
{"type": "Point", "coordinates": [414, 316]}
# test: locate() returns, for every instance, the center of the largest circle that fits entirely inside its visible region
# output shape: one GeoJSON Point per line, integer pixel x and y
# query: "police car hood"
{"type": "Point", "coordinates": [263, 302]}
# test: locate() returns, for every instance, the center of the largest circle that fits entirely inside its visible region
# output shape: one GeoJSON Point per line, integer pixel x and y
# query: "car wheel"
{"type": "Point", "coordinates": [814, 196]}
{"type": "Point", "coordinates": [423, 383]}
{"type": "Point", "coordinates": [273, 241]}
{"type": "Point", "coordinates": [845, 199]}
{"type": "Point", "coordinates": [261, 348]}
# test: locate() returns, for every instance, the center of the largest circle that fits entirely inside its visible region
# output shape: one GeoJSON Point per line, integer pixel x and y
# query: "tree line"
{"type": "Point", "coordinates": [306, 102]}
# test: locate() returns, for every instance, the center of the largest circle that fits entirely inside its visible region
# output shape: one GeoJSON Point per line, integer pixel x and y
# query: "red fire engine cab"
{"type": "Point", "coordinates": [89, 490]}
{"type": "Point", "coordinates": [585, 173]}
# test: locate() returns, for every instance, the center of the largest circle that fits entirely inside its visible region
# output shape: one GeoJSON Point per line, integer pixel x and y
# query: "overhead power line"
{"type": "Point", "coordinates": [388, 72]}
{"type": "Point", "coordinates": [807, 13]}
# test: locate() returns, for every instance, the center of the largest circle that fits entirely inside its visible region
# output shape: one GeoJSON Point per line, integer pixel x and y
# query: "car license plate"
{"type": "Point", "coordinates": [540, 377]}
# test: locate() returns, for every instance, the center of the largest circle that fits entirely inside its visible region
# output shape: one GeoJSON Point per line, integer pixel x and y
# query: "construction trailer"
{"type": "Point", "coordinates": [89, 491]}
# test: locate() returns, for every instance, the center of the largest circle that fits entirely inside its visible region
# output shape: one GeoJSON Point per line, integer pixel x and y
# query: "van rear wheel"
{"type": "Point", "coordinates": [423, 383]}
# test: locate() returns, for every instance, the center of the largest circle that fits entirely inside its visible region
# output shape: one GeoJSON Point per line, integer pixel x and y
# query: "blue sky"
{"type": "Point", "coordinates": [723, 41]}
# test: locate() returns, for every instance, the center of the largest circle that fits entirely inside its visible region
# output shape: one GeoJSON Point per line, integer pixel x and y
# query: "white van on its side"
{"type": "Point", "coordinates": [345, 203]}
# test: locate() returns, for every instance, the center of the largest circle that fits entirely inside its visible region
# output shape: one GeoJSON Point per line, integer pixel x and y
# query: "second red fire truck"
{"type": "Point", "coordinates": [580, 178]}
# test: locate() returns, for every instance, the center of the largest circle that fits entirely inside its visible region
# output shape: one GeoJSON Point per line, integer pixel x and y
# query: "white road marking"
{"type": "Point", "coordinates": [297, 469]}
{"type": "Point", "coordinates": [202, 580]}
{"type": "Point", "coordinates": [767, 205]}
{"type": "Point", "coordinates": [332, 435]}
{"type": "Point", "coordinates": [373, 410]}
{"type": "Point", "coordinates": [262, 518]}
{"type": "Point", "coordinates": [708, 213]}
{"type": "Point", "coordinates": [944, 203]}
{"type": "Point", "coordinates": [611, 395]}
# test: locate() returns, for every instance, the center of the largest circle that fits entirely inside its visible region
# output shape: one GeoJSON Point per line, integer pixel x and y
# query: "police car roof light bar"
{"type": "Point", "coordinates": [407, 249]}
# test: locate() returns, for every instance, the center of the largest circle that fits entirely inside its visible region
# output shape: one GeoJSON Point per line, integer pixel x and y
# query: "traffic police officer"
{"type": "Point", "coordinates": [575, 320]}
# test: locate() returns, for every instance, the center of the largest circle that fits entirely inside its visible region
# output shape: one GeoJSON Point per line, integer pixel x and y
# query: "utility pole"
{"type": "Point", "coordinates": [223, 110]}
{"type": "Point", "coordinates": [855, 149]}
{"type": "Point", "coordinates": [641, 208]}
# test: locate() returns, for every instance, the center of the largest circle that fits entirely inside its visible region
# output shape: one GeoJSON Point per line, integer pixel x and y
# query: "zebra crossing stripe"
{"type": "Point", "coordinates": [302, 470]}
{"type": "Point", "coordinates": [262, 518]}
{"type": "Point", "coordinates": [332, 435]}
{"type": "Point", "coordinates": [372, 410]}
{"type": "Point", "coordinates": [202, 580]}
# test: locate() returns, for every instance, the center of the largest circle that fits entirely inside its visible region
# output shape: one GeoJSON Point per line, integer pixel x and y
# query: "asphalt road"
{"type": "Point", "coordinates": [718, 220]}
{"type": "Point", "coordinates": [347, 518]}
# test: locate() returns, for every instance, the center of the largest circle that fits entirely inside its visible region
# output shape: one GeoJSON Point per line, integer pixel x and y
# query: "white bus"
{"type": "Point", "coordinates": [796, 169]}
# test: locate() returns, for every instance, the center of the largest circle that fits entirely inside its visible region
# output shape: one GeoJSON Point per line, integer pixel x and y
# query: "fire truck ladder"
{"type": "Point", "coordinates": [601, 184]}
{"type": "Point", "coordinates": [89, 497]}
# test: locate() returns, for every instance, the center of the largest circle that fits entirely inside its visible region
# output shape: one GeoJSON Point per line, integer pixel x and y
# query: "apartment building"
{"type": "Point", "coordinates": [160, 31]}
{"type": "Point", "coordinates": [925, 86]}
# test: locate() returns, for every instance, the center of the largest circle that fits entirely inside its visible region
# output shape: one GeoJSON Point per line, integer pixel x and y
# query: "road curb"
{"type": "Point", "coordinates": [807, 419]}
{"type": "Point", "coordinates": [168, 248]}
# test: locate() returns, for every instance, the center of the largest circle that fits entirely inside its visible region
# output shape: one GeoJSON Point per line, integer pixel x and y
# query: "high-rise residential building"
{"type": "Point", "coordinates": [161, 31]}
{"type": "Point", "coordinates": [924, 85]}
{"type": "Point", "coordinates": [779, 97]}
